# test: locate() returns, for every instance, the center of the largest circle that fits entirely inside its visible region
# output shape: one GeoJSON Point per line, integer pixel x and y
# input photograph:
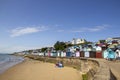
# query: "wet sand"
{"type": "Point", "coordinates": [36, 70]}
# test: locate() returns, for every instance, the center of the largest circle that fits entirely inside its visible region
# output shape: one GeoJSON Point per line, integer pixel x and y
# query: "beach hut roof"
{"type": "Point", "coordinates": [109, 50]}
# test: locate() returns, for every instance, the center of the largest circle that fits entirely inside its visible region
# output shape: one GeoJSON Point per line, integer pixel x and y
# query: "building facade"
{"type": "Point", "coordinates": [110, 40]}
{"type": "Point", "coordinates": [78, 41]}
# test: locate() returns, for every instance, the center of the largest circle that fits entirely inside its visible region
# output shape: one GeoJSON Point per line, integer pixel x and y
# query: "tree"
{"type": "Point", "coordinates": [85, 43]}
{"type": "Point", "coordinates": [30, 51]}
{"type": "Point", "coordinates": [59, 45]}
{"type": "Point", "coordinates": [69, 45]}
{"type": "Point", "coordinates": [43, 49]}
{"type": "Point", "coordinates": [102, 41]}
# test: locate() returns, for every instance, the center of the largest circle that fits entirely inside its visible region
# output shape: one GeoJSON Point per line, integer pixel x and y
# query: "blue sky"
{"type": "Point", "coordinates": [30, 24]}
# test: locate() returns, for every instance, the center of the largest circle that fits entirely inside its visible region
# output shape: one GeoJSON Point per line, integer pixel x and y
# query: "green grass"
{"type": "Point", "coordinates": [84, 76]}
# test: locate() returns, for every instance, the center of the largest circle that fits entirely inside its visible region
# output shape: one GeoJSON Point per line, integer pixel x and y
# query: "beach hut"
{"type": "Point", "coordinates": [87, 54]}
{"type": "Point", "coordinates": [98, 48]}
{"type": "Point", "coordinates": [85, 49]}
{"type": "Point", "coordinates": [41, 54]}
{"type": "Point", "coordinates": [80, 47]}
{"type": "Point", "coordinates": [45, 54]}
{"type": "Point", "coordinates": [53, 54]}
{"type": "Point", "coordinates": [71, 49]}
{"type": "Point", "coordinates": [98, 52]}
{"type": "Point", "coordinates": [92, 54]}
{"type": "Point", "coordinates": [63, 54]}
{"type": "Point", "coordinates": [89, 47]}
{"type": "Point", "coordinates": [58, 54]}
{"type": "Point", "coordinates": [81, 53]}
{"type": "Point", "coordinates": [105, 54]}
{"type": "Point", "coordinates": [118, 54]}
{"type": "Point", "coordinates": [111, 54]}
{"type": "Point", "coordinates": [49, 53]}
{"type": "Point", "coordinates": [73, 54]}
{"type": "Point", "coordinates": [77, 54]}
{"type": "Point", "coordinates": [68, 54]}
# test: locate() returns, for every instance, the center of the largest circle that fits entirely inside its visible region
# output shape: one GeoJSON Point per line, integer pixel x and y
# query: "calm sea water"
{"type": "Point", "coordinates": [7, 61]}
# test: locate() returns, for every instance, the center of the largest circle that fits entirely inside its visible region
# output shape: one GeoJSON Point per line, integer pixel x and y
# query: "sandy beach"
{"type": "Point", "coordinates": [36, 70]}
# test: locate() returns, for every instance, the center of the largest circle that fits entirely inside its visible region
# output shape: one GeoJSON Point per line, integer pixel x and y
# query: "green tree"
{"type": "Point", "coordinates": [102, 41]}
{"type": "Point", "coordinates": [86, 43]}
{"type": "Point", "coordinates": [59, 45]}
{"type": "Point", "coordinates": [30, 51]}
{"type": "Point", "coordinates": [69, 45]}
{"type": "Point", "coordinates": [43, 49]}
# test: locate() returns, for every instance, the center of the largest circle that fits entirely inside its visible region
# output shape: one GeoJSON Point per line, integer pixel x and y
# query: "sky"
{"type": "Point", "coordinates": [33, 24]}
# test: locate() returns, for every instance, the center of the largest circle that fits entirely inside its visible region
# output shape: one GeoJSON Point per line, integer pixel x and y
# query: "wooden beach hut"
{"type": "Point", "coordinates": [77, 54]}
{"type": "Point", "coordinates": [111, 54]}
{"type": "Point", "coordinates": [105, 54]}
{"type": "Point", "coordinates": [87, 54]}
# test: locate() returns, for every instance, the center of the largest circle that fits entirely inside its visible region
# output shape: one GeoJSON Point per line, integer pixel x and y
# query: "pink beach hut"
{"type": "Point", "coordinates": [49, 54]}
{"type": "Point", "coordinates": [77, 54]}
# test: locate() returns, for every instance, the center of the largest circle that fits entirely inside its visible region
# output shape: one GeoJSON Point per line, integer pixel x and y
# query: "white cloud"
{"type": "Point", "coordinates": [97, 28]}
{"type": "Point", "coordinates": [77, 31]}
{"type": "Point", "coordinates": [60, 30]}
{"type": "Point", "coordinates": [90, 29]}
{"type": "Point", "coordinates": [26, 30]}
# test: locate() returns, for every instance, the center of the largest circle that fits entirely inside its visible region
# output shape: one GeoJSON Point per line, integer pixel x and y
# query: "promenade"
{"type": "Point", "coordinates": [104, 71]}
{"type": "Point", "coordinates": [115, 68]}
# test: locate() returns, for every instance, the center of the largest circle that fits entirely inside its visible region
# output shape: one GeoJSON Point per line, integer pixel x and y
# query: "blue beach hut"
{"type": "Point", "coordinates": [68, 54]}
{"type": "Point", "coordinates": [111, 54]}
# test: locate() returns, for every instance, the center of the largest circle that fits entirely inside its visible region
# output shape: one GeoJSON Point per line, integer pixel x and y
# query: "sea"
{"type": "Point", "coordinates": [7, 61]}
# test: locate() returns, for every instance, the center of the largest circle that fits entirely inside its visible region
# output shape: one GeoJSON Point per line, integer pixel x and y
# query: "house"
{"type": "Point", "coordinates": [35, 52]}
{"type": "Point", "coordinates": [78, 41]}
{"type": "Point", "coordinates": [113, 40]}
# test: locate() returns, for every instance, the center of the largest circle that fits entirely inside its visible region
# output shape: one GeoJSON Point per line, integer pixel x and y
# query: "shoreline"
{"type": "Point", "coordinates": [37, 70]}
{"type": "Point", "coordinates": [7, 61]}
